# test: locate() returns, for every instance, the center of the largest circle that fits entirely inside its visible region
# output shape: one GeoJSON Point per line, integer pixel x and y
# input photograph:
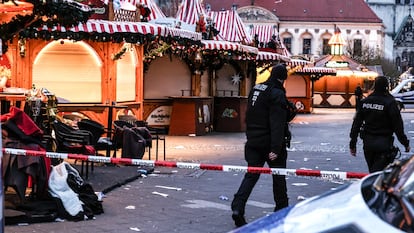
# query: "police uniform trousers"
{"type": "Point", "coordinates": [256, 157]}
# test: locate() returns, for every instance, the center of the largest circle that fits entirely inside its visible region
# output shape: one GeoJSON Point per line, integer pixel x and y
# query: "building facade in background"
{"type": "Point", "coordinates": [305, 26]}
{"type": "Point", "coordinates": [399, 41]}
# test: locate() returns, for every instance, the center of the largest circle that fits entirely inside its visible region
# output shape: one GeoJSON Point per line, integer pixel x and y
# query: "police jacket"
{"type": "Point", "coordinates": [266, 116]}
{"type": "Point", "coordinates": [378, 115]}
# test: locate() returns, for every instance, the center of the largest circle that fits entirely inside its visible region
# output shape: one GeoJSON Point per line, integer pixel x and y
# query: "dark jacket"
{"type": "Point", "coordinates": [378, 116]}
{"type": "Point", "coordinates": [266, 116]}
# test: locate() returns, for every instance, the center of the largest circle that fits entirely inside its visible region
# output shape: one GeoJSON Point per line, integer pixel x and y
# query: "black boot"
{"type": "Point", "coordinates": [238, 218]}
{"type": "Point", "coordinates": [281, 204]}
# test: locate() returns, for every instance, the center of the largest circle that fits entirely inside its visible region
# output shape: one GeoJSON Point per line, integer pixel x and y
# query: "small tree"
{"type": "Point", "coordinates": [369, 56]}
{"type": "Point", "coordinates": [364, 54]}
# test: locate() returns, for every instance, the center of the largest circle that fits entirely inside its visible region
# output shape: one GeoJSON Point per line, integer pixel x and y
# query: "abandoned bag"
{"type": "Point", "coordinates": [76, 200]}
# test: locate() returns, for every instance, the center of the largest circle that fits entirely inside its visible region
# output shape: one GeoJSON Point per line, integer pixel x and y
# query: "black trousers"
{"type": "Point", "coordinates": [377, 161]}
{"type": "Point", "coordinates": [257, 157]}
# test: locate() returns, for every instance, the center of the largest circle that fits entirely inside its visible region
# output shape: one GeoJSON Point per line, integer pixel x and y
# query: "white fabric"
{"type": "Point", "coordinates": [59, 188]}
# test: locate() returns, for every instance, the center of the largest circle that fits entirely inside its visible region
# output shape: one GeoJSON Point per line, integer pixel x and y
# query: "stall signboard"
{"type": "Point", "coordinates": [160, 116]}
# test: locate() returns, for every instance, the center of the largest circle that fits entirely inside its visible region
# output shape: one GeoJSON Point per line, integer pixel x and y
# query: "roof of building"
{"type": "Point", "coordinates": [308, 10]}
{"type": "Point", "coordinates": [404, 36]}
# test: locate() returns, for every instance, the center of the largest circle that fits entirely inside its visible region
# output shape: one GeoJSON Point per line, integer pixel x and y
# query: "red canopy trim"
{"type": "Point", "coordinates": [111, 27]}
{"type": "Point", "coordinates": [299, 62]}
{"type": "Point", "coordinates": [175, 32]}
{"type": "Point", "coordinates": [269, 56]}
{"type": "Point", "coordinates": [316, 70]}
{"type": "Point", "coordinates": [220, 45]}
{"type": "Point", "coordinates": [226, 45]}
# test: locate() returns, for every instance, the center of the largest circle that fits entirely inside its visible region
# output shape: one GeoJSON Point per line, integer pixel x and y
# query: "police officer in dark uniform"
{"type": "Point", "coordinates": [267, 132]}
{"type": "Point", "coordinates": [377, 119]}
{"type": "Point", "coordinates": [358, 96]}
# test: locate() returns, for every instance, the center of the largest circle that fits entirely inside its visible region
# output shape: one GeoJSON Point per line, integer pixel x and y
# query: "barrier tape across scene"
{"type": "Point", "coordinates": [326, 175]}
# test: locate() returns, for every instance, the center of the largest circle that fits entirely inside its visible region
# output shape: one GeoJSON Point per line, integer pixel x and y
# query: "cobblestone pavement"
{"type": "Point", "coordinates": [187, 201]}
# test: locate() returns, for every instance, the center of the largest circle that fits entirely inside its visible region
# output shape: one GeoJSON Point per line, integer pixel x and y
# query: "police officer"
{"type": "Point", "coordinates": [358, 96]}
{"type": "Point", "coordinates": [267, 118]}
{"type": "Point", "coordinates": [377, 119]}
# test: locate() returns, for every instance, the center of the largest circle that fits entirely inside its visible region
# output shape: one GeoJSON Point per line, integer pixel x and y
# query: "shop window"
{"type": "Point", "coordinates": [288, 43]}
{"type": "Point", "coordinates": [357, 47]}
{"type": "Point", "coordinates": [326, 49]}
{"type": "Point", "coordinates": [307, 46]}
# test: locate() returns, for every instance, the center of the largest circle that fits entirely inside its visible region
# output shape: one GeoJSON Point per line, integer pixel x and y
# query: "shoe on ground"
{"type": "Point", "coordinates": [238, 219]}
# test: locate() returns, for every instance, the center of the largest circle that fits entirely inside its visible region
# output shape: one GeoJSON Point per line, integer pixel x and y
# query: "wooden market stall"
{"type": "Point", "coordinates": [302, 96]}
{"type": "Point", "coordinates": [97, 63]}
{"type": "Point", "coordinates": [199, 77]}
{"type": "Point", "coordinates": [336, 91]}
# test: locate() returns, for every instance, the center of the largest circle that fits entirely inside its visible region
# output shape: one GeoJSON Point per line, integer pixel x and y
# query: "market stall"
{"type": "Point", "coordinates": [336, 91]}
{"type": "Point", "coordinates": [107, 57]}
{"type": "Point", "coordinates": [191, 115]}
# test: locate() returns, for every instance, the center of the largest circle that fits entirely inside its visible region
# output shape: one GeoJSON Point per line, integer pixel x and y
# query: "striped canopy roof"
{"type": "Point", "coordinates": [112, 27]}
{"type": "Point", "coordinates": [189, 11]}
{"type": "Point", "coordinates": [269, 56]}
{"type": "Point", "coordinates": [231, 26]}
{"type": "Point", "coordinates": [316, 70]}
{"type": "Point", "coordinates": [264, 32]}
{"type": "Point", "coordinates": [227, 45]}
{"type": "Point", "coordinates": [229, 23]}
{"type": "Point", "coordinates": [299, 62]}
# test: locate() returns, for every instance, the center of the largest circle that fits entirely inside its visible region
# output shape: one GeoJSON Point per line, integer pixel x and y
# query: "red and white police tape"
{"type": "Point", "coordinates": [328, 175]}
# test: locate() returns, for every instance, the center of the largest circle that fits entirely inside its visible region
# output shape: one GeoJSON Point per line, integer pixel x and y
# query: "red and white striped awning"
{"type": "Point", "coordinates": [249, 49]}
{"type": "Point", "coordinates": [189, 11]}
{"type": "Point", "coordinates": [104, 26]}
{"type": "Point", "coordinates": [317, 70]}
{"type": "Point", "coordinates": [231, 26]}
{"type": "Point", "coordinates": [299, 62]}
{"type": "Point", "coordinates": [176, 32]}
{"type": "Point", "coordinates": [269, 56]}
{"type": "Point", "coordinates": [264, 32]}
{"type": "Point", "coordinates": [226, 45]}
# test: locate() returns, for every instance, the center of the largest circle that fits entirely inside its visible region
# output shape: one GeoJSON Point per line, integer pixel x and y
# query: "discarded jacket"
{"type": "Point", "coordinates": [75, 200]}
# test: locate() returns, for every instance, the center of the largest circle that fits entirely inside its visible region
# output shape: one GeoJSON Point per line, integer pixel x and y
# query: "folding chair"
{"type": "Point", "coordinates": [98, 142]}
{"type": "Point", "coordinates": [75, 141]}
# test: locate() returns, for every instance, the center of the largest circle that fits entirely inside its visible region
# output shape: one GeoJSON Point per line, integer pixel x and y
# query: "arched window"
{"type": "Point", "coordinates": [287, 41]}
{"type": "Point", "coordinates": [306, 43]}
{"type": "Point", "coordinates": [70, 70]}
{"type": "Point", "coordinates": [325, 47]}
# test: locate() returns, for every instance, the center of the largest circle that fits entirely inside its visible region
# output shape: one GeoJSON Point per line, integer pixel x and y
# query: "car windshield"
{"type": "Point", "coordinates": [394, 194]}
{"type": "Point", "coordinates": [405, 183]}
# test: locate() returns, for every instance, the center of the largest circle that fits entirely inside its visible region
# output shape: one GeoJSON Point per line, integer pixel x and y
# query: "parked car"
{"type": "Point", "coordinates": [380, 202]}
{"type": "Point", "coordinates": [404, 92]}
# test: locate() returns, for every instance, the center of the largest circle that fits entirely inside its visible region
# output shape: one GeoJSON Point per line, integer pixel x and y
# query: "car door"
{"type": "Point", "coordinates": [406, 92]}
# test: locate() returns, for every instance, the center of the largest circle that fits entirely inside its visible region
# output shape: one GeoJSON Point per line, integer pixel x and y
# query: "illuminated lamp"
{"type": "Point", "coordinates": [337, 43]}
